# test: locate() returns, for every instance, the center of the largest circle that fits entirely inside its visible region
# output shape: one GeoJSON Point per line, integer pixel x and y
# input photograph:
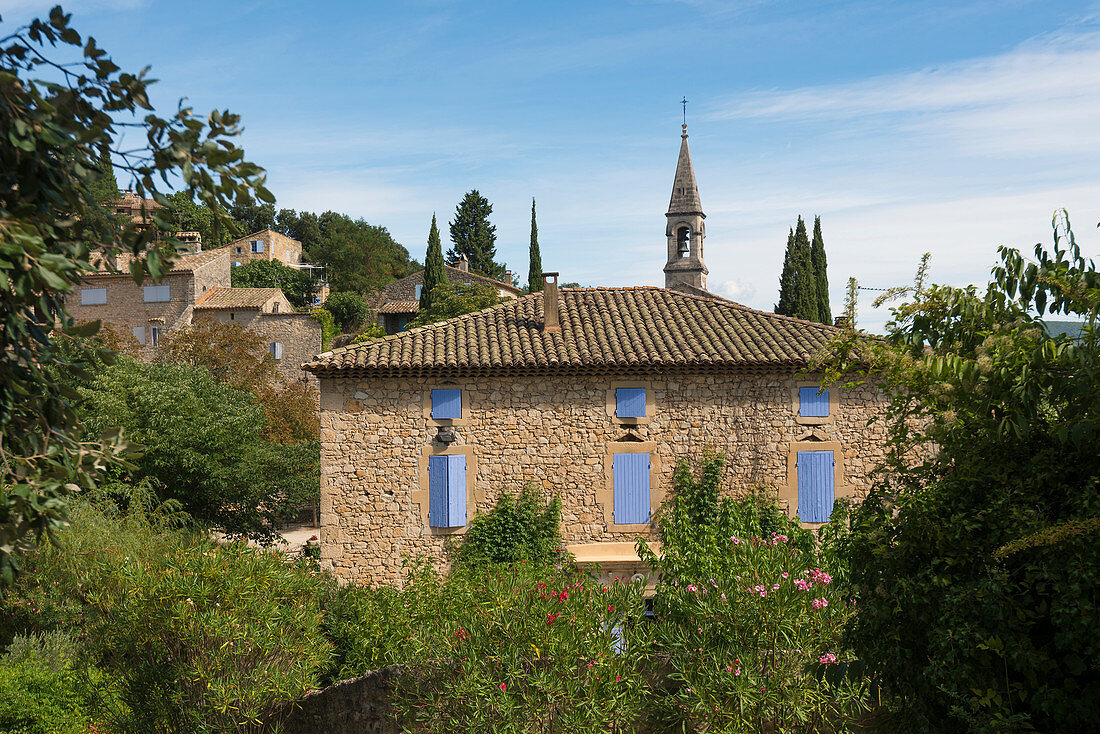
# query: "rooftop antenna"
{"type": "Point", "coordinates": [684, 102]}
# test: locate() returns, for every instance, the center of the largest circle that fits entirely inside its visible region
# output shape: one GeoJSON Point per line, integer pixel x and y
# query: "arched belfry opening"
{"type": "Point", "coordinates": [684, 229]}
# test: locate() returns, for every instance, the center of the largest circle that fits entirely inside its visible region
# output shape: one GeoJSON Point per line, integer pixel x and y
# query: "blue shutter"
{"type": "Point", "coordinates": [456, 491]}
{"type": "Point", "coordinates": [815, 485]}
{"type": "Point", "coordinates": [631, 481]}
{"type": "Point", "coordinates": [438, 478]}
{"type": "Point", "coordinates": [446, 404]}
{"type": "Point", "coordinates": [812, 404]}
{"type": "Point", "coordinates": [630, 402]}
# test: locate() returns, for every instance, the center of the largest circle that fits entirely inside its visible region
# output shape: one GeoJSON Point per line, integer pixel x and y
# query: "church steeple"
{"type": "Point", "coordinates": [685, 230]}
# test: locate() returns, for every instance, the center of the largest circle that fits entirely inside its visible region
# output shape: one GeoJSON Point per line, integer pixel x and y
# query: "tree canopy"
{"type": "Point", "coordinates": [821, 275]}
{"type": "Point", "coordinates": [798, 295]}
{"type": "Point", "coordinates": [534, 270]}
{"type": "Point", "coordinates": [434, 271]}
{"type": "Point", "coordinates": [973, 559]}
{"type": "Point", "coordinates": [296, 284]}
{"type": "Point", "coordinates": [474, 236]}
{"type": "Point", "coordinates": [454, 299]}
{"type": "Point", "coordinates": [58, 138]}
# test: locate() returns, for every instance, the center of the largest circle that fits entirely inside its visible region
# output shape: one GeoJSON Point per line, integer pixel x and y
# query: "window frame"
{"type": "Point", "coordinates": [256, 247]}
{"type": "Point", "coordinates": [605, 495]}
{"type": "Point", "coordinates": [275, 349]}
{"type": "Point", "coordinates": [612, 401]}
{"type": "Point", "coordinates": [421, 494]}
{"type": "Point", "coordinates": [140, 339]}
{"type": "Point", "coordinates": [156, 290]}
{"type": "Point", "coordinates": [788, 494]}
{"type": "Point", "coordinates": [464, 405]}
{"type": "Point", "coordinates": [155, 332]}
{"type": "Point", "coordinates": [85, 291]}
{"type": "Point", "coordinates": [796, 403]}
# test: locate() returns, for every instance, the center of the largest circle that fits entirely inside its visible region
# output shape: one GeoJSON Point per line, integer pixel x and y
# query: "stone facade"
{"type": "Point", "coordinates": [559, 433]}
{"type": "Point", "coordinates": [275, 246]}
{"type": "Point", "coordinates": [125, 304]}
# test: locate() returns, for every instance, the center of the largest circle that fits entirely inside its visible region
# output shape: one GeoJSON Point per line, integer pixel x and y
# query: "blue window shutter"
{"type": "Point", "coordinates": [630, 474]}
{"type": "Point", "coordinates": [815, 485]}
{"type": "Point", "coordinates": [456, 491]}
{"type": "Point", "coordinates": [438, 479]}
{"type": "Point", "coordinates": [812, 404]}
{"type": "Point", "coordinates": [630, 402]}
{"type": "Point", "coordinates": [446, 404]}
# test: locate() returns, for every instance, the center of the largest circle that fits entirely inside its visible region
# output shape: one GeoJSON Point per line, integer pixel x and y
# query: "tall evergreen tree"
{"type": "Point", "coordinates": [786, 305]}
{"type": "Point", "coordinates": [797, 284]}
{"type": "Point", "coordinates": [534, 273]}
{"type": "Point", "coordinates": [474, 237]}
{"type": "Point", "coordinates": [434, 272]}
{"type": "Point", "coordinates": [821, 276]}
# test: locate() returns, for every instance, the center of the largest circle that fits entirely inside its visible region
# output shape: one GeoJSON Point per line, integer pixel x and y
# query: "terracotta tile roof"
{"type": "Point", "coordinates": [603, 330]}
{"type": "Point", "coordinates": [187, 263]}
{"type": "Point", "coordinates": [236, 298]}
{"type": "Point", "coordinates": [405, 289]}
{"type": "Point", "coordinates": [399, 307]}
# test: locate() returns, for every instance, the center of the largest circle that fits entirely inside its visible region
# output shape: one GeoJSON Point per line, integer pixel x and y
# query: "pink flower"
{"type": "Point", "coordinates": [723, 597]}
{"type": "Point", "coordinates": [503, 686]}
{"type": "Point", "coordinates": [827, 659]}
{"type": "Point", "coordinates": [462, 634]}
{"type": "Point", "coordinates": [618, 679]}
{"type": "Point", "coordinates": [610, 608]}
{"type": "Point", "coordinates": [563, 595]}
{"type": "Point", "coordinates": [819, 603]}
{"type": "Point", "coordinates": [736, 541]}
{"type": "Point", "coordinates": [691, 588]}
{"type": "Point", "coordinates": [550, 618]}
{"type": "Point", "coordinates": [801, 585]}
{"type": "Point", "coordinates": [784, 574]}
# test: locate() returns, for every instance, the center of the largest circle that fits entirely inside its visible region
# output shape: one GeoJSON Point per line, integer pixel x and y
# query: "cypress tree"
{"type": "Point", "coordinates": [534, 273]}
{"type": "Point", "coordinates": [786, 305]}
{"type": "Point", "coordinates": [821, 276]}
{"type": "Point", "coordinates": [806, 302]}
{"type": "Point", "coordinates": [474, 237]}
{"type": "Point", "coordinates": [434, 273]}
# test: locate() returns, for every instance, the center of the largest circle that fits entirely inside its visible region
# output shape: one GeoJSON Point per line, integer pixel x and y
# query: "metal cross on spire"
{"type": "Point", "coordinates": [684, 102]}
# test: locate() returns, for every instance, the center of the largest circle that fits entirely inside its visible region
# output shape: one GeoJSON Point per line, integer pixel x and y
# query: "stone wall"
{"type": "Point", "coordinates": [126, 308]}
{"type": "Point", "coordinates": [300, 335]}
{"type": "Point", "coordinates": [557, 433]}
{"type": "Point", "coordinates": [276, 247]}
{"type": "Point", "coordinates": [357, 706]}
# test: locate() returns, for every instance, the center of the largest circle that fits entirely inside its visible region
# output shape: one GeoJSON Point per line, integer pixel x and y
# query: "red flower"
{"type": "Point", "coordinates": [550, 618]}
{"type": "Point", "coordinates": [563, 595]}
{"type": "Point", "coordinates": [503, 686]}
{"type": "Point", "coordinates": [462, 634]}
{"type": "Point", "coordinates": [610, 608]}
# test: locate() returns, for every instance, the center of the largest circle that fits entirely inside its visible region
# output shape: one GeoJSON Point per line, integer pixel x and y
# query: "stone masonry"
{"type": "Point", "coordinates": [557, 433]}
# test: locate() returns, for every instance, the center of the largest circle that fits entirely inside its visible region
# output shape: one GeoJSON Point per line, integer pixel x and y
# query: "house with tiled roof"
{"type": "Point", "coordinates": [589, 394]}
{"type": "Point", "coordinates": [400, 300]}
{"type": "Point", "coordinates": [198, 285]}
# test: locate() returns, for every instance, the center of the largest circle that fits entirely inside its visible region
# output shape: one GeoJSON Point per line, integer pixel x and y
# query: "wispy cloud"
{"type": "Point", "coordinates": [1042, 96]}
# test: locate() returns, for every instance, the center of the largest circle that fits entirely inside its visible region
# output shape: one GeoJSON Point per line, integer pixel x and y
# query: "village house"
{"type": "Point", "coordinates": [400, 300]}
{"type": "Point", "coordinates": [197, 286]}
{"type": "Point", "coordinates": [590, 394]}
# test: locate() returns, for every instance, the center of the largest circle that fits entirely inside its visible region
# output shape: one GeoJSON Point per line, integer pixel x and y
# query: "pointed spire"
{"type": "Point", "coordinates": [685, 192]}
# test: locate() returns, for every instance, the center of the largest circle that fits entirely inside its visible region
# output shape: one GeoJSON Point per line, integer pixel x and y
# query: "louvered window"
{"type": "Point", "coordinates": [446, 404]}
{"type": "Point", "coordinates": [447, 491]}
{"type": "Point", "coordinates": [631, 488]}
{"type": "Point", "coordinates": [813, 404]}
{"type": "Point", "coordinates": [630, 402]}
{"type": "Point", "coordinates": [815, 485]}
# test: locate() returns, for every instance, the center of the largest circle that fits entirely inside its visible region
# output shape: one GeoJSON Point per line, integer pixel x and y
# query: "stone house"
{"type": "Point", "coordinates": [197, 285]}
{"type": "Point", "coordinates": [592, 394]}
{"type": "Point", "coordinates": [400, 300]}
{"type": "Point", "coordinates": [267, 244]}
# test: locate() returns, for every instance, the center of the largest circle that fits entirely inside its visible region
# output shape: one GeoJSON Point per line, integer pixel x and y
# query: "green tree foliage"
{"type": "Point", "coordinates": [821, 275]}
{"type": "Point", "coordinates": [454, 299]}
{"type": "Point", "coordinates": [348, 309]}
{"type": "Point", "coordinates": [474, 237]}
{"type": "Point", "coordinates": [518, 528]}
{"type": "Point", "coordinates": [104, 188]}
{"type": "Point", "coordinates": [974, 561]}
{"type": "Point", "coordinates": [434, 271]}
{"type": "Point", "coordinates": [57, 137]}
{"type": "Point", "coordinates": [252, 216]}
{"type": "Point", "coordinates": [202, 441]}
{"type": "Point", "coordinates": [534, 271]}
{"type": "Point", "coordinates": [360, 257]}
{"type": "Point", "coordinates": [798, 282]}
{"type": "Point", "coordinates": [296, 284]}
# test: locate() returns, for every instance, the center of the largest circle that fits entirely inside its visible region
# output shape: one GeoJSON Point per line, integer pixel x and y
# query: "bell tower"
{"type": "Point", "coordinates": [685, 229]}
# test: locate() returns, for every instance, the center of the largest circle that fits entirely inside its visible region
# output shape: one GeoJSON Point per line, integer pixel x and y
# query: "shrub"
{"type": "Point", "coordinates": [328, 326]}
{"type": "Point", "coordinates": [39, 700]}
{"type": "Point", "coordinates": [522, 527]}
{"type": "Point", "coordinates": [751, 625]}
{"type": "Point", "coordinates": [348, 309]}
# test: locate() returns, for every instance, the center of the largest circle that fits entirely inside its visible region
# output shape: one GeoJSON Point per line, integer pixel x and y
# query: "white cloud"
{"type": "Point", "coordinates": [1042, 97]}
{"type": "Point", "coordinates": [736, 290]}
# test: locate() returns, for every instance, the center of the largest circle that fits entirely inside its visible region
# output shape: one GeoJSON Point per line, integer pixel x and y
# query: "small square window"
{"type": "Point", "coordinates": [257, 245]}
{"type": "Point", "coordinates": [813, 404]}
{"type": "Point", "coordinates": [630, 402]}
{"type": "Point", "coordinates": [446, 404]}
{"type": "Point", "coordinates": [447, 491]}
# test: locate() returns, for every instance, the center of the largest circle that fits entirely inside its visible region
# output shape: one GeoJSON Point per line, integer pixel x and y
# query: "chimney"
{"type": "Point", "coordinates": [508, 277]}
{"type": "Point", "coordinates": [841, 322]}
{"type": "Point", "coordinates": [550, 322]}
{"type": "Point", "coordinates": [464, 264]}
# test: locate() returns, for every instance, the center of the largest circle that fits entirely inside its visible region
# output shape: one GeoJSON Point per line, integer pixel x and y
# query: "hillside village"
{"type": "Point", "coordinates": [265, 471]}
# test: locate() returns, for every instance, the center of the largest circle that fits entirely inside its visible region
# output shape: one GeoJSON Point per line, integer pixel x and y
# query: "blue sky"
{"type": "Point", "coordinates": [949, 127]}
